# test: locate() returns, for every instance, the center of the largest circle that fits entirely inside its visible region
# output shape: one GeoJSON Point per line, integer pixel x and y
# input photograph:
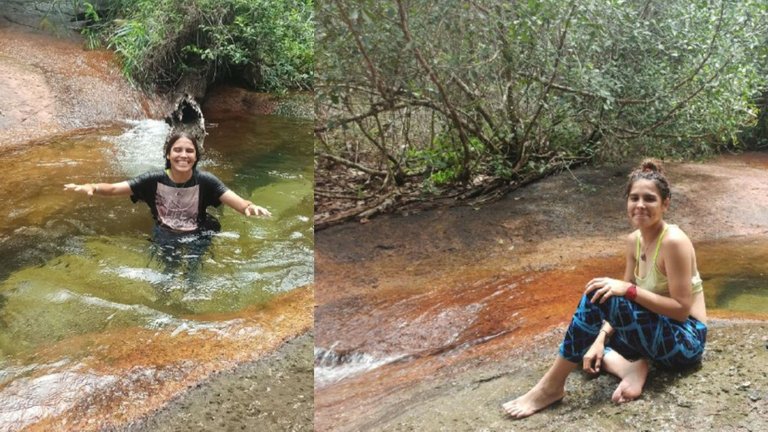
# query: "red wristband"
{"type": "Point", "coordinates": [631, 293]}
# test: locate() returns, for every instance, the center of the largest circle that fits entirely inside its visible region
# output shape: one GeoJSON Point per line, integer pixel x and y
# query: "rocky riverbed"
{"type": "Point", "coordinates": [51, 87]}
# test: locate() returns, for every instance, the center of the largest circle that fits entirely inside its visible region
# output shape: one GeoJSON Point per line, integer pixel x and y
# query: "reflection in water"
{"type": "Point", "coordinates": [735, 279]}
{"type": "Point", "coordinates": [85, 310]}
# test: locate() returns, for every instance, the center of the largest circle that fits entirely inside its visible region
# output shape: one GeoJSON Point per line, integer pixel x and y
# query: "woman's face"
{"type": "Point", "coordinates": [182, 155]}
{"type": "Point", "coordinates": [644, 204]}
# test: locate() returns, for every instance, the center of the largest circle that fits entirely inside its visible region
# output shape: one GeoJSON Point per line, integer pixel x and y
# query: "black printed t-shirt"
{"type": "Point", "coordinates": [179, 207]}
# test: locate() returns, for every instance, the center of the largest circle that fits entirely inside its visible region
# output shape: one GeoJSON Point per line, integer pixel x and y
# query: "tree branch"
{"type": "Point", "coordinates": [464, 176]}
{"type": "Point", "coordinates": [376, 109]}
{"type": "Point", "coordinates": [547, 88]}
{"type": "Point", "coordinates": [361, 48]}
{"type": "Point", "coordinates": [351, 164]}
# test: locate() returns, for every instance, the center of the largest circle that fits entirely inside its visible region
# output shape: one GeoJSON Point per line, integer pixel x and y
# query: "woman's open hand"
{"type": "Point", "coordinates": [87, 189]}
{"type": "Point", "coordinates": [254, 210]}
{"type": "Point", "coordinates": [606, 288]}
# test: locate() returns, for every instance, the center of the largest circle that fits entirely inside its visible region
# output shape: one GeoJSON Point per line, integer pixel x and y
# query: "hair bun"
{"type": "Point", "coordinates": [651, 165]}
{"type": "Point", "coordinates": [650, 169]}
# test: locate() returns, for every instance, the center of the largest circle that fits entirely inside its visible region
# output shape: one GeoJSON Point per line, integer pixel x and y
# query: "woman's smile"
{"type": "Point", "coordinates": [644, 203]}
{"type": "Point", "coordinates": [182, 155]}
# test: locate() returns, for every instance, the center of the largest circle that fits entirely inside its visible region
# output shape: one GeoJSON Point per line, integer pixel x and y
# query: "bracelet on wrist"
{"type": "Point", "coordinates": [631, 293]}
{"type": "Point", "coordinates": [247, 205]}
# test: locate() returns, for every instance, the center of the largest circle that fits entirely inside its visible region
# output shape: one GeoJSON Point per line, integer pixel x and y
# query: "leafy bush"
{"type": "Point", "coordinates": [269, 44]}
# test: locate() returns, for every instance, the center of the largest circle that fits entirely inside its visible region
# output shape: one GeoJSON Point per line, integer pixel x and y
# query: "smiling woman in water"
{"type": "Point", "coordinates": [655, 313]}
{"type": "Point", "coordinates": [178, 197]}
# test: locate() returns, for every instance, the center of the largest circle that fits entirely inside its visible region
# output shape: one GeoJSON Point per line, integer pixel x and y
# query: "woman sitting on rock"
{"type": "Point", "coordinates": [178, 197]}
{"type": "Point", "coordinates": [656, 312]}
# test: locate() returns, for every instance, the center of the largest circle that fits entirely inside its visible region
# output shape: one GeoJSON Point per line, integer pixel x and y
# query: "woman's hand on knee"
{"type": "Point", "coordinates": [605, 288]}
{"type": "Point", "coordinates": [593, 359]}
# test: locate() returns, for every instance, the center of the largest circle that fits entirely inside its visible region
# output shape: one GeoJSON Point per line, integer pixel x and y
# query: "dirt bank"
{"type": "Point", "coordinates": [457, 293]}
{"type": "Point", "coordinates": [224, 99]}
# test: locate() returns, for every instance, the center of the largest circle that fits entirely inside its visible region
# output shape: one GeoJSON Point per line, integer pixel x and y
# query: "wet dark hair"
{"type": "Point", "coordinates": [175, 137]}
{"type": "Point", "coordinates": [650, 169]}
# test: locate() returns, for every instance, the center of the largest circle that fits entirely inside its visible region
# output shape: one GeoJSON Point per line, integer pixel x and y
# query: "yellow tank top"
{"type": "Point", "coordinates": [656, 281]}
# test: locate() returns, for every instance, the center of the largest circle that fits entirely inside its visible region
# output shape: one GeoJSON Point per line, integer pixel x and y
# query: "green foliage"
{"type": "Point", "coordinates": [267, 43]}
{"type": "Point", "coordinates": [442, 161]}
{"type": "Point", "coordinates": [523, 87]}
{"type": "Point", "coordinates": [92, 40]}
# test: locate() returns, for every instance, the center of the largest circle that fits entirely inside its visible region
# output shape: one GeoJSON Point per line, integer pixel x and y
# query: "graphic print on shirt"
{"type": "Point", "coordinates": [177, 207]}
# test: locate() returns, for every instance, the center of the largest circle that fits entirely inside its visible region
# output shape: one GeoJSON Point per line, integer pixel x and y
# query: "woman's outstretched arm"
{"type": "Point", "coordinates": [243, 206]}
{"type": "Point", "coordinates": [107, 189]}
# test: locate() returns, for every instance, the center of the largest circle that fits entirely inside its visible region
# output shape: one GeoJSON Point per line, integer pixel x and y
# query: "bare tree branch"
{"type": "Point", "coordinates": [548, 87]}
{"type": "Point", "coordinates": [372, 70]}
{"type": "Point", "coordinates": [349, 163]}
{"type": "Point", "coordinates": [375, 110]}
{"type": "Point", "coordinates": [464, 176]}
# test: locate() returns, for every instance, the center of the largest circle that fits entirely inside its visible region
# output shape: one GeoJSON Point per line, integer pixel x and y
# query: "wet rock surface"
{"type": "Point", "coordinates": [52, 87]}
{"type": "Point", "coordinates": [51, 84]}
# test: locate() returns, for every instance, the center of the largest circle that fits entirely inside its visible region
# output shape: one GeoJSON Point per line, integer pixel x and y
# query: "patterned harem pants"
{"type": "Point", "coordinates": [638, 332]}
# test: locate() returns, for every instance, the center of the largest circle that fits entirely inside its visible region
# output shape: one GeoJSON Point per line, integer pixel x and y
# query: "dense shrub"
{"type": "Point", "coordinates": [462, 91]}
{"type": "Point", "coordinates": [268, 44]}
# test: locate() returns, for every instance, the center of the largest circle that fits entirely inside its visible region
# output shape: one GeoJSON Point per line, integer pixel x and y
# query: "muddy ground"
{"type": "Point", "coordinates": [552, 228]}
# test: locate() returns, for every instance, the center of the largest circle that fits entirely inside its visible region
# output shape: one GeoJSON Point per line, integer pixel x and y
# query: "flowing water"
{"type": "Point", "coordinates": [88, 313]}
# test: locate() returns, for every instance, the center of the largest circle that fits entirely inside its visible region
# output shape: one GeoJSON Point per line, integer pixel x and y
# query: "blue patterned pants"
{"type": "Point", "coordinates": [638, 332]}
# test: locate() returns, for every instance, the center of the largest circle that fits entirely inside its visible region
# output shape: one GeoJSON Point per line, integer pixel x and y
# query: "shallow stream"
{"type": "Point", "coordinates": [82, 297]}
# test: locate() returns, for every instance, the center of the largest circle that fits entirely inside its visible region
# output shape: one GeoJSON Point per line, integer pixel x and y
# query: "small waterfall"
{"type": "Point", "coordinates": [332, 366]}
{"type": "Point", "coordinates": [140, 148]}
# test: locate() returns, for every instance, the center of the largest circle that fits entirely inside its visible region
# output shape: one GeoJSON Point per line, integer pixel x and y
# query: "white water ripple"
{"type": "Point", "coordinates": [332, 367]}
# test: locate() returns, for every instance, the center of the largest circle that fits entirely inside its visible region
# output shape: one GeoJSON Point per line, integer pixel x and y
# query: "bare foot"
{"type": "Point", "coordinates": [632, 382]}
{"type": "Point", "coordinates": [535, 400]}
